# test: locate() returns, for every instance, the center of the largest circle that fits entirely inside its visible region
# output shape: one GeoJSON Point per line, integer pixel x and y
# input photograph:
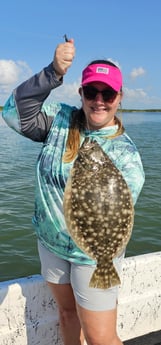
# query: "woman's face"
{"type": "Point", "coordinates": [99, 112]}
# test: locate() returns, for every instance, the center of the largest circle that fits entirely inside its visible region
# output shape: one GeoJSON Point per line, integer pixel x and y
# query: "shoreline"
{"type": "Point", "coordinates": [141, 110]}
{"type": "Point", "coordinates": [127, 110]}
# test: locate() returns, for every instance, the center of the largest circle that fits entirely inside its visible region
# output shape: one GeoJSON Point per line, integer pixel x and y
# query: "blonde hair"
{"type": "Point", "coordinates": [77, 126]}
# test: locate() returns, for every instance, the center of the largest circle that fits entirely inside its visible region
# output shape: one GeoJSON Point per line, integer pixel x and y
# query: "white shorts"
{"type": "Point", "coordinates": [59, 271]}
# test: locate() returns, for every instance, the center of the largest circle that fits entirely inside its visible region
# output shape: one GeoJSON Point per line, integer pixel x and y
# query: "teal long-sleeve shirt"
{"type": "Point", "coordinates": [28, 114]}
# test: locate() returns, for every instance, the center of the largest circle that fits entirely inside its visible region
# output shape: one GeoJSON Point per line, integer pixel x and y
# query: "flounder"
{"type": "Point", "coordinates": [98, 211]}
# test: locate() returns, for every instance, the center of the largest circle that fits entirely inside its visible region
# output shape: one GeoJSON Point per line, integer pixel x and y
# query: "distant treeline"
{"type": "Point", "coordinates": [142, 110]}
{"type": "Point", "coordinates": [128, 110]}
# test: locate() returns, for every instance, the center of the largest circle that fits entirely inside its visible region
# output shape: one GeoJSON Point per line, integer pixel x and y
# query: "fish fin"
{"type": "Point", "coordinates": [102, 280]}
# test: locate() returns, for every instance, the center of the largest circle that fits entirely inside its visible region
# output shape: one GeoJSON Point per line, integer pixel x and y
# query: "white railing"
{"type": "Point", "coordinates": [28, 314]}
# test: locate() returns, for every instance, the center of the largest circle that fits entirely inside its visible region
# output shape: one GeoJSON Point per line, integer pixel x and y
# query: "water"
{"type": "Point", "coordinates": [18, 254]}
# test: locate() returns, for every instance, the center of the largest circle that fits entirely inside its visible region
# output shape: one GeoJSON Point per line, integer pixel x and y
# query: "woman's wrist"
{"type": "Point", "coordinates": [59, 76]}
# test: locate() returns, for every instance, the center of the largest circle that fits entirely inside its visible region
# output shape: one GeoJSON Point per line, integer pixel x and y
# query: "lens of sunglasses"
{"type": "Point", "coordinates": [90, 92]}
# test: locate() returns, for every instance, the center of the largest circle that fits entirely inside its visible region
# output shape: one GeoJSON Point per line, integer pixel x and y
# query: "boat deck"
{"type": "Point", "coordinates": [29, 313]}
{"type": "Point", "coordinates": [153, 338]}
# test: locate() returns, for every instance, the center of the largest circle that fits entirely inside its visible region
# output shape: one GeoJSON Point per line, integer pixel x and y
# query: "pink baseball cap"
{"type": "Point", "coordinates": [104, 73]}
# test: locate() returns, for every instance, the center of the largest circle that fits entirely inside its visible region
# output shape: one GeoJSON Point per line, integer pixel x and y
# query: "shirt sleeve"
{"type": "Point", "coordinates": [24, 111]}
{"type": "Point", "coordinates": [132, 170]}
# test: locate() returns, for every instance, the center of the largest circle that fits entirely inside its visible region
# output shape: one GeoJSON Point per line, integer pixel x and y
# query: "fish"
{"type": "Point", "coordinates": [98, 211]}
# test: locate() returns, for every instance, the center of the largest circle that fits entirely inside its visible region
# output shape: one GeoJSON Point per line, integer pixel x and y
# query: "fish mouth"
{"type": "Point", "coordinates": [88, 144]}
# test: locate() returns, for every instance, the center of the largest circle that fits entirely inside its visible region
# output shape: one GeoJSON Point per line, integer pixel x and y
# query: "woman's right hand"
{"type": "Point", "coordinates": [63, 57]}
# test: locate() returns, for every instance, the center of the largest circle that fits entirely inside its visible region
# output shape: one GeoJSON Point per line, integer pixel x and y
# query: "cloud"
{"type": "Point", "coordinates": [134, 98]}
{"type": "Point", "coordinates": [67, 93]}
{"type": "Point", "coordinates": [115, 62]}
{"type": "Point", "coordinates": [137, 72]}
{"type": "Point", "coordinates": [11, 74]}
{"type": "Point", "coordinates": [139, 99]}
{"type": "Point", "coordinates": [135, 93]}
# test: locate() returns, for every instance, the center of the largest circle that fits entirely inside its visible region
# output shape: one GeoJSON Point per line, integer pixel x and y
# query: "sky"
{"type": "Point", "coordinates": [125, 31]}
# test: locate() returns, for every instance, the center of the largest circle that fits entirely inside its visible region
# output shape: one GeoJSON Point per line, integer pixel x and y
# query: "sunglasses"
{"type": "Point", "coordinates": [90, 93]}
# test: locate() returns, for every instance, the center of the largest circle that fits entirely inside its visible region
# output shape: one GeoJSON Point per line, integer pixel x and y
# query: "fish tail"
{"type": "Point", "coordinates": [104, 278]}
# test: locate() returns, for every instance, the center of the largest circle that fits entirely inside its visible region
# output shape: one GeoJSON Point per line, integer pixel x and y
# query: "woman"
{"type": "Point", "coordinates": [84, 311]}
